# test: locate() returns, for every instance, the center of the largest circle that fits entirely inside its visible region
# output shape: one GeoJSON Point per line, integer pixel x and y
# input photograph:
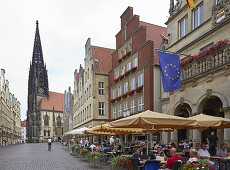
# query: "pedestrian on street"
{"type": "Point", "coordinates": [213, 139]}
{"type": "Point", "coordinates": [49, 144]}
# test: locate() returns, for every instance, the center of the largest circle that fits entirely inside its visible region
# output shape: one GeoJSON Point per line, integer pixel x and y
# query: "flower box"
{"type": "Point", "coordinates": [124, 95]}
{"type": "Point", "coordinates": [112, 100]}
{"type": "Point", "coordinates": [127, 73]}
{"type": "Point", "coordinates": [133, 69]}
{"type": "Point", "coordinates": [131, 92]}
{"type": "Point", "coordinates": [124, 56]}
{"type": "Point", "coordinates": [119, 60]}
{"type": "Point", "coordinates": [121, 77]}
{"type": "Point", "coordinates": [118, 98]}
{"type": "Point", "coordinates": [139, 89]}
{"type": "Point", "coordinates": [128, 53]}
{"type": "Point", "coordinates": [116, 80]}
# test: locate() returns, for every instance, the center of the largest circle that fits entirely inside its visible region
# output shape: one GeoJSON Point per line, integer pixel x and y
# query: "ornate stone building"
{"type": "Point", "coordinates": [10, 114]}
{"type": "Point", "coordinates": [45, 108]}
{"type": "Point", "coordinates": [91, 105]}
{"type": "Point", "coordinates": [203, 33]}
{"type": "Point", "coordinates": [68, 111]}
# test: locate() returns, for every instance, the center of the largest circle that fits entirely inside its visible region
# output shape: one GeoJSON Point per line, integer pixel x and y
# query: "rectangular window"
{"type": "Point", "coordinates": [101, 88]}
{"type": "Point", "coordinates": [119, 110]}
{"type": "Point", "coordinates": [114, 93]}
{"type": "Point", "coordinates": [90, 110]}
{"type": "Point", "coordinates": [119, 91]}
{"type": "Point", "coordinates": [123, 70]}
{"type": "Point", "coordinates": [198, 16]}
{"type": "Point", "coordinates": [133, 106]}
{"type": "Point", "coordinates": [125, 50]}
{"type": "Point", "coordinates": [121, 53]}
{"type": "Point", "coordinates": [141, 80]}
{"type": "Point", "coordinates": [183, 27]}
{"type": "Point", "coordinates": [140, 104]}
{"type": "Point", "coordinates": [130, 47]}
{"type": "Point", "coordinates": [135, 62]}
{"type": "Point", "coordinates": [126, 87]}
{"type": "Point", "coordinates": [128, 66]}
{"type": "Point", "coordinates": [89, 90]}
{"type": "Point", "coordinates": [133, 86]}
{"type": "Point", "coordinates": [125, 106]}
{"type": "Point", "coordinates": [117, 74]}
{"type": "Point", "coordinates": [101, 108]}
{"type": "Point", "coordinates": [114, 112]}
{"type": "Point", "coordinates": [48, 132]}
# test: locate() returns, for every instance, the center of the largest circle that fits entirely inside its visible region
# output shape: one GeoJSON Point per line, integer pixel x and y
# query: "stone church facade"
{"type": "Point", "coordinates": [45, 108]}
{"type": "Point", "coordinates": [203, 33]}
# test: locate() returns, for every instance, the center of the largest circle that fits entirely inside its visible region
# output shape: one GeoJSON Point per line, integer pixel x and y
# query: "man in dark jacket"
{"type": "Point", "coordinates": [213, 139]}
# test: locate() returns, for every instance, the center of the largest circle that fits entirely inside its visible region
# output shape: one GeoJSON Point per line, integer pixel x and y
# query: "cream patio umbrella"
{"type": "Point", "coordinates": [152, 120]}
{"type": "Point", "coordinates": [206, 121]}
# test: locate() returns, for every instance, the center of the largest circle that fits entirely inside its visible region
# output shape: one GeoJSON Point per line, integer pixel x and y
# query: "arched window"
{"type": "Point", "coordinates": [59, 121]}
{"type": "Point", "coordinates": [46, 120]}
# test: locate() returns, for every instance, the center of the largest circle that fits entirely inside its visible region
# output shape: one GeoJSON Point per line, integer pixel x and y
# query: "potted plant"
{"type": "Point", "coordinates": [124, 95]}
{"type": "Point", "coordinates": [139, 89]}
{"type": "Point", "coordinates": [124, 56]}
{"type": "Point", "coordinates": [77, 152]}
{"type": "Point", "coordinates": [201, 165]}
{"type": "Point", "coordinates": [133, 69]}
{"type": "Point", "coordinates": [121, 162]}
{"type": "Point", "coordinates": [83, 153]}
{"type": "Point", "coordinates": [128, 53]}
{"type": "Point", "coordinates": [131, 92]}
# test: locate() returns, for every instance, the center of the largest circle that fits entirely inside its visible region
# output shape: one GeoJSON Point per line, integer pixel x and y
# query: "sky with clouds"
{"type": "Point", "coordinates": [64, 27]}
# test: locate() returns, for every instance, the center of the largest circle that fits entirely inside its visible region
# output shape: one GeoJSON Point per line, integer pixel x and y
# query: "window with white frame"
{"type": "Point", "coordinates": [140, 104]}
{"type": "Point", "coordinates": [125, 50]}
{"type": "Point", "coordinates": [123, 70]}
{"type": "Point", "coordinates": [114, 112]}
{"type": "Point", "coordinates": [120, 110]}
{"type": "Point", "coordinates": [117, 74]}
{"type": "Point", "coordinates": [133, 106]}
{"type": "Point", "coordinates": [198, 16]}
{"type": "Point", "coordinates": [101, 108]}
{"type": "Point", "coordinates": [125, 106]}
{"type": "Point", "coordinates": [130, 47]}
{"type": "Point", "coordinates": [121, 53]}
{"type": "Point", "coordinates": [183, 27]}
{"type": "Point", "coordinates": [114, 93]}
{"type": "Point", "coordinates": [133, 86]}
{"type": "Point", "coordinates": [141, 80]}
{"type": "Point", "coordinates": [126, 87]}
{"type": "Point", "coordinates": [135, 62]}
{"type": "Point", "coordinates": [128, 66]}
{"type": "Point", "coordinates": [119, 90]}
{"type": "Point", "coordinates": [101, 88]}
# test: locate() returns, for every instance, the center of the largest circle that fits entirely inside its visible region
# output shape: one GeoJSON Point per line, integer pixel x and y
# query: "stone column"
{"type": "Point", "coordinates": [227, 131]}
{"type": "Point", "coordinates": [174, 137]}
{"type": "Point", "coordinates": [196, 136]}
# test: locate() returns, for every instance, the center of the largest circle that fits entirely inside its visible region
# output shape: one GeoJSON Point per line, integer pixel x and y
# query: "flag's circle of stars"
{"type": "Point", "coordinates": [169, 68]}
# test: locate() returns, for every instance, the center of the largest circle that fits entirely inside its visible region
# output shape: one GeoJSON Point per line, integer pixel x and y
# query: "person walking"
{"type": "Point", "coordinates": [49, 144]}
{"type": "Point", "coordinates": [213, 139]}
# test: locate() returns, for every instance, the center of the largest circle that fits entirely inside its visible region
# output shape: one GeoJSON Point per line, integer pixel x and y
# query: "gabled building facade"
{"type": "Point", "coordinates": [134, 81]}
{"type": "Point", "coordinates": [204, 34]}
{"type": "Point", "coordinates": [91, 105]}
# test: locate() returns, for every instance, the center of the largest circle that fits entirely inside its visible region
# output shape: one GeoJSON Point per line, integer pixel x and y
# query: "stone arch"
{"type": "Point", "coordinates": [181, 103]}
{"type": "Point", "coordinates": [209, 94]}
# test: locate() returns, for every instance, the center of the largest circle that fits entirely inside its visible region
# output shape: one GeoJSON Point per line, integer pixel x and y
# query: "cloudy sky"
{"type": "Point", "coordinates": [64, 26]}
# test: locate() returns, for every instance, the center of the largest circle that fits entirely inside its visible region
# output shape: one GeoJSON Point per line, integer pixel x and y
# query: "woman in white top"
{"type": "Point", "coordinates": [194, 156]}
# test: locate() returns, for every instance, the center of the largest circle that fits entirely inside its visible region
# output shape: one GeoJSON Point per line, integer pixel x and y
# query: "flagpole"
{"type": "Point", "coordinates": [156, 49]}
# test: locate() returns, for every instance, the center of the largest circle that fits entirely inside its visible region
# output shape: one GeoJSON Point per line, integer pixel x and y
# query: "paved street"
{"type": "Point", "coordinates": [37, 157]}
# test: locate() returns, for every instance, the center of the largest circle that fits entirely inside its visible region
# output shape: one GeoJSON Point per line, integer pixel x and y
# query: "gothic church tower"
{"type": "Point", "coordinates": [37, 89]}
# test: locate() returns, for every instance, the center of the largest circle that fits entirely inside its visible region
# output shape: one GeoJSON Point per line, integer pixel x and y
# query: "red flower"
{"type": "Point", "coordinates": [121, 77]}
{"type": "Point", "coordinates": [119, 60]}
{"type": "Point", "coordinates": [118, 98]}
{"type": "Point", "coordinates": [112, 100]}
{"type": "Point", "coordinates": [130, 92]}
{"type": "Point", "coordinates": [124, 95]}
{"type": "Point", "coordinates": [128, 53]}
{"type": "Point", "coordinates": [116, 80]}
{"type": "Point", "coordinates": [133, 69]}
{"type": "Point", "coordinates": [127, 73]}
{"type": "Point", "coordinates": [139, 89]}
{"type": "Point", "coordinates": [198, 166]}
{"type": "Point", "coordinates": [192, 165]}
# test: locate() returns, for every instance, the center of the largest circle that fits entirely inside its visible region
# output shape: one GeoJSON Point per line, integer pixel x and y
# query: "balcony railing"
{"type": "Point", "coordinates": [206, 64]}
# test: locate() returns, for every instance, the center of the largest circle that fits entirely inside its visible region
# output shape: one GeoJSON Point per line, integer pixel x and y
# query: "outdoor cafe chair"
{"type": "Point", "coordinates": [135, 165]}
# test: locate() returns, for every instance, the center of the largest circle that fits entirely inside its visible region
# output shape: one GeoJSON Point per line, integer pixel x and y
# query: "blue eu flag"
{"type": "Point", "coordinates": [170, 70]}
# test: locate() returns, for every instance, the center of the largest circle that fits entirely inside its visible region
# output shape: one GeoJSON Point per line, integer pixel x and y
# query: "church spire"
{"type": "Point", "coordinates": [37, 51]}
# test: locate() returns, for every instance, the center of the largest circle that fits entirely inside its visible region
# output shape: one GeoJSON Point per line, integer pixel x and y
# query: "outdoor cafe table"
{"type": "Point", "coordinates": [223, 162]}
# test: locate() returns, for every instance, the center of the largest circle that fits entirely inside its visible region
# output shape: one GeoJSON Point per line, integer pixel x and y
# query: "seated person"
{"type": "Point", "coordinates": [172, 145]}
{"type": "Point", "coordinates": [93, 147]}
{"type": "Point", "coordinates": [158, 144]}
{"type": "Point", "coordinates": [163, 144]}
{"type": "Point", "coordinates": [174, 157]}
{"type": "Point", "coordinates": [222, 151]}
{"type": "Point", "coordinates": [98, 147]}
{"type": "Point", "coordinates": [136, 153]}
{"type": "Point", "coordinates": [186, 146]}
{"type": "Point", "coordinates": [203, 151]}
{"type": "Point", "coordinates": [104, 148]}
{"type": "Point", "coordinates": [194, 156]}
{"type": "Point", "coordinates": [160, 152]}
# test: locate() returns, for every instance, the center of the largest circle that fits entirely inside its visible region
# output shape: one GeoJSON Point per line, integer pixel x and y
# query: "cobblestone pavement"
{"type": "Point", "coordinates": [37, 157]}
